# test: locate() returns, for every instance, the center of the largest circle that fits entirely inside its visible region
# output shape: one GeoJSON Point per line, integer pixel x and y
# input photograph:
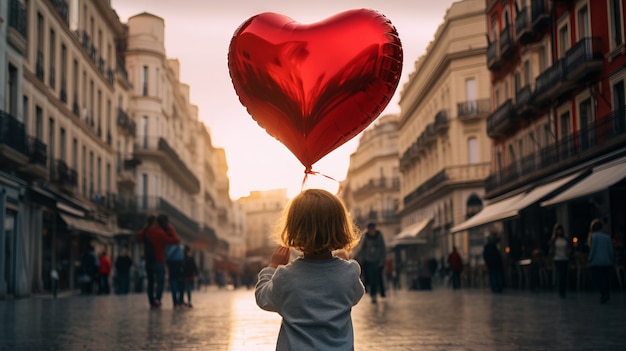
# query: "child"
{"type": "Point", "coordinates": [315, 293]}
{"type": "Point", "coordinates": [190, 271]}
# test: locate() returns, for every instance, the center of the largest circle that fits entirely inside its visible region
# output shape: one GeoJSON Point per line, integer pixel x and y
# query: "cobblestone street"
{"type": "Point", "coordinates": [406, 320]}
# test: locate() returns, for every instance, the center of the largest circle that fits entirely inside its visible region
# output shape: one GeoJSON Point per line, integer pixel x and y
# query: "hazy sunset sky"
{"type": "Point", "coordinates": [198, 33]}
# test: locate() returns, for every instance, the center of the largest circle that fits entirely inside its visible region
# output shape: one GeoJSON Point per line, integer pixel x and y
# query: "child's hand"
{"type": "Point", "coordinates": [280, 256]}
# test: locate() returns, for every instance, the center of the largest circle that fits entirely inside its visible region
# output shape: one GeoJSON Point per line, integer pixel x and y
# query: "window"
{"type": "Point", "coordinates": [99, 112]}
{"type": "Point", "coordinates": [144, 191]}
{"type": "Point", "coordinates": [52, 61]}
{"type": "Point", "coordinates": [616, 23]}
{"type": "Point", "coordinates": [564, 43]}
{"type": "Point", "coordinates": [11, 97]}
{"type": "Point", "coordinates": [145, 81]}
{"type": "Point", "coordinates": [99, 176]}
{"type": "Point", "coordinates": [543, 59]}
{"type": "Point", "coordinates": [51, 143]}
{"type": "Point", "coordinates": [75, 153]}
{"type": "Point", "coordinates": [587, 130]}
{"type": "Point", "coordinates": [144, 131]}
{"type": "Point", "coordinates": [473, 152]}
{"type": "Point", "coordinates": [38, 123]}
{"type": "Point", "coordinates": [62, 145]}
{"type": "Point", "coordinates": [75, 83]}
{"type": "Point", "coordinates": [84, 172]}
{"type": "Point", "coordinates": [474, 205]}
{"type": "Point", "coordinates": [63, 73]}
{"type": "Point", "coordinates": [619, 104]}
{"type": "Point", "coordinates": [527, 73]}
{"type": "Point", "coordinates": [584, 29]}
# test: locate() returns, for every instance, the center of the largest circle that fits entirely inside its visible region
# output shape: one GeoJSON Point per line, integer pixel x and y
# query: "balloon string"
{"type": "Point", "coordinates": [312, 172]}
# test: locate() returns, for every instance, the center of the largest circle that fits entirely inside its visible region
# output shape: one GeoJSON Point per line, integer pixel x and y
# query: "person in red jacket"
{"type": "Point", "coordinates": [104, 271]}
{"type": "Point", "coordinates": [456, 265]}
{"type": "Point", "coordinates": [155, 236]}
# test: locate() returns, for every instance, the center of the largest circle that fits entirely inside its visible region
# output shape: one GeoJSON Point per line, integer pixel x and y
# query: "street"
{"type": "Point", "coordinates": [440, 319]}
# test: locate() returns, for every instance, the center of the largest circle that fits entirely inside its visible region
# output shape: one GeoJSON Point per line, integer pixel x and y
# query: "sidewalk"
{"type": "Point", "coordinates": [440, 319]}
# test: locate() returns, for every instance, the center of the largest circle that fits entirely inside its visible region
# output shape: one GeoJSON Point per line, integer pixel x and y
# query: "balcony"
{"type": "Point", "coordinates": [523, 101]}
{"type": "Point", "coordinates": [133, 210]}
{"type": "Point", "coordinates": [507, 44]}
{"type": "Point", "coordinates": [502, 120]}
{"type": "Point", "coordinates": [607, 134]}
{"type": "Point", "coordinates": [448, 176]}
{"type": "Point", "coordinates": [126, 173]}
{"type": "Point", "coordinates": [429, 134]}
{"type": "Point", "coordinates": [493, 56]}
{"type": "Point", "coordinates": [382, 184]}
{"type": "Point", "coordinates": [551, 83]}
{"type": "Point", "coordinates": [583, 59]}
{"type": "Point", "coordinates": [158, 149]}
{"type": "Point", "coordinates": [12, 141]}
{"type": "Point", "coordinates": [35, 168]}
{"type": "Point", "coordinates": [62, 9]}
{"type": "Point", "coordinates": [475, 109]}
{"type": "Point", "coordinates": [16, 30]}
{"type": "Point", "coordinates": [540, 15]}
{"type": "Point", "coordinates": [125, 122]}
{"type": "Point", "coordinates": [64, 176]}
{"type": "Point", "coordinates": [523, 27]}
{"type": "Point", "coordinates": [442, 123]}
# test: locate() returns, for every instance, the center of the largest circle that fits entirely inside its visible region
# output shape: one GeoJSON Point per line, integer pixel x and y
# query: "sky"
{"type": "Point", "coordinates": [198, 33]}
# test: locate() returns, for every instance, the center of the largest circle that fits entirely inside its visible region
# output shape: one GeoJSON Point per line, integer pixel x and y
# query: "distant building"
{"type": "Point", "coordinates": [262, 211]}
{"type": "Point", "coordinates": [444, 148]}
{"type": "Point", "coordinates": [372, 186]}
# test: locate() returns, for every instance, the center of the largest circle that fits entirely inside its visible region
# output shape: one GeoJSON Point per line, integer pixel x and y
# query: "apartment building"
{"type": "Point", "coordinates": [262, 209]}
{"type": "Point", "coordinates": [371, 189]}
{"type": "Point", "coordinates": [443, 144]}
{"type": "Point", "coordinates": [557, 126]}
{"type": "Point", "coordinates": [89, 148]}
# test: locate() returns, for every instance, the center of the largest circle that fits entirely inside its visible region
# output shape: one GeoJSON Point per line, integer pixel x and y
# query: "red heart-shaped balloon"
{"type": "Point", "coordinates": [314, 87]}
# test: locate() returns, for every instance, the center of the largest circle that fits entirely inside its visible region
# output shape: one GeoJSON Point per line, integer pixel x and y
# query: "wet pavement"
{"type": "Point", "coordinates": [440, 319]}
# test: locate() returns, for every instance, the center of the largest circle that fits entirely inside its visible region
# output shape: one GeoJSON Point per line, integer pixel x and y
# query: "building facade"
{"type": "Point", "coordinates": [557, 126]}
{"type": "Point", "coordinates": [88, 148]}
{"type": "Point", "coordinates": [443, 145]}
{"type": "Point", "coordinates": [371, 189]}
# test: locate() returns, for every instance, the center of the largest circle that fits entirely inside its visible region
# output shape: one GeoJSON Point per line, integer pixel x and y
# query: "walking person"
{"type": "Point", "coordinates": [190, 272]}
{"type": "Point", "coordinates": [601, 258]}
{"type": "Point", "coordinates": [456, 266]}
{"type": "Point", "coordinates": [123, 263]}
{"type": "Point", "coordinates": [154, 240]}
{"type": "Point", "coordinates": [560, 251]}
{"type": "Point", "coordinates": [174, 257]}
{"type": "Point", "coordinates": [315, 293]}
{"type": "Point", "coordinates": [493, 261]}
{"type": "Point", "coordinates": [371, 253]}
{"type": "Point", "coordinates": [89, 264]}
{"type": "Point", "coordinates": [104, 271]}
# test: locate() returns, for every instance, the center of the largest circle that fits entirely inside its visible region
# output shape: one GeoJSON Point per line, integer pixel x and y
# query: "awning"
{"type": "Point", "coordinates": [510, 207]}
{"type": "Point", "coordinates": [601, 178]}
{"type": "Point", "coordinates": [409, 235]}
{"type": "Point", "coordinates": [493, 212]}
{"type": "Point", "coordinates": [86, 225]}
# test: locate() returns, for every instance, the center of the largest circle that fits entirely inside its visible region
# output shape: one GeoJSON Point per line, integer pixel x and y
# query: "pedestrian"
{"type": "Point", "coordinates": [600, 258]}
{"type": "Point", "coordinates": [315, 293]}
{"type": "Point", "coordinates": [154, 239]}
{"type": "Point", "coordinates": [493, 261]}
{"type": "Point", "coordinates": [123, 262]}
{"type": "Point", "coordinates": [190, 272]}
{"type": "Point", "coordinates": [560, 250]}
{"type": "Point", "coordinates": [456, 266]}
{"type": "Point", "coordinates": [104, 271]}
{"type": "Point", "coordinates": [54, 281]}
{"type": "Point", "coordinates": [88, 272]}
{"type": "Point", "coordinates": [371, 253]}
{"type": "Point", "coordinates": [174, 257]}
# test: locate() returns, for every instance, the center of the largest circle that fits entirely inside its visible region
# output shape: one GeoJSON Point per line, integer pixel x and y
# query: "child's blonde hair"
{"type": "Point", "coordinates": [316, 220]}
